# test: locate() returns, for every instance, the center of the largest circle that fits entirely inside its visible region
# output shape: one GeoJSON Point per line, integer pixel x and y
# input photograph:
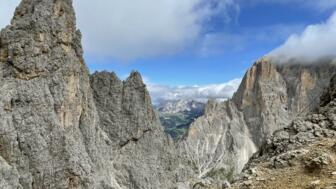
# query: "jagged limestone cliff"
{"type": "Point", "coordinates": [61, 128]}
{"type": "Point", "coordinates": [301, 155]}
{"type": "Point", "coordinates": [58, 132]}
{"type": "Point", "coordinates": [268, 99]}
{"type": "Point", "coordinates": [271, 96]}
{"type": "Point", "coordinates": [144, 157]}
{"type": "Point", "coordinates": [218, 144]}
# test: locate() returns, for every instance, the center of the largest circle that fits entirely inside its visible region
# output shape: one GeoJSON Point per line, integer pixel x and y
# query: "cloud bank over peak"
{"type": "Point", "coordinates": [127, 29]}
{"type": "Point", "coordinates": [220, 91]}
{"type": "Point", "coordinates": [315, 42]}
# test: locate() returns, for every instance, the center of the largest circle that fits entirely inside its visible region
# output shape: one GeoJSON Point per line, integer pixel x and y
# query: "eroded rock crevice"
{"type": "Point", "coordinates": [134, 139]}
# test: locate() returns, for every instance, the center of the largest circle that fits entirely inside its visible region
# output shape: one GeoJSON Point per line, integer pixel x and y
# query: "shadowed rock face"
{"type": "Point", "coordinates": [262, 97]}
{"type": "Point", "coordinates": [296, 155]}
{"type": "Point", "coordinates": [124, 107]}
{"type": "Point", "coordinates": [268, 99]}
{"type": "Point", "coordinates": [61, 128]}
{"type": "Point", "coordinates": [45, 100]}
{"type": "Point", "coordinates": [144, 156]}
{"type": "Point", "coordinates": [58, 131]}
{"type": "Point", "coordinates": [270, 96]}
{"type": "Point", "coordinates": [218, 144]}
{"type": "Point", "coordinates": [330, 93]}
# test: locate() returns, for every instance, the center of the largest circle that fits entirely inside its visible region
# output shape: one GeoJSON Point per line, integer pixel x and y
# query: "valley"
{"type": "Point", "coordinates": [63, 126]}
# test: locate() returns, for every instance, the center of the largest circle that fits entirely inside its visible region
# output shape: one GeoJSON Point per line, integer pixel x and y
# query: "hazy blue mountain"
{"type": "Point", "coordinates": [177, 115]}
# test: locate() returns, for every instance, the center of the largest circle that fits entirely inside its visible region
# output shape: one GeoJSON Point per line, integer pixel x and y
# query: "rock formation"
{"type": "Point", "coordinates": [62, 128]}
{"type": "Point", "coordinates": [144, 156]}
{"type": "Point", "coordinates": [56, 131]}
{"type": "Point", "coordinates": [268, 99]}
{"type": "Point", "coordinates": [271, 96]}
{"type": "Point", "coordinates": [218, 144]}
{"type": "Point", "coordinates": [300, 155]}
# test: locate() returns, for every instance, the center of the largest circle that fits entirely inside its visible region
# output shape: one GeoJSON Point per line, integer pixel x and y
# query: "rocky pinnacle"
{"type": "Point", "coordinates": [59, 128]}
{"type": "Point", "coordinates": [269, 98]}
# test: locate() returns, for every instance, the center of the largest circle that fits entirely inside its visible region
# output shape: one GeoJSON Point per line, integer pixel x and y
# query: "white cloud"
{"type": "Point", "coordinates": [198, 93]}
{"type": "Point", "coordinates": [247, 38]}
{"type": "Point", "coordinates": [129, 29]}
{"type": "Point", "coordinates": [315, 42]}
{"type": "Point", "coordinates": [7, 8]}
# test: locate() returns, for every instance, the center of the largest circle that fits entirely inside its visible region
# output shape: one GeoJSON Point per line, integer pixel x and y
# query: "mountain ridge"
{"type": "Point", "coordinates": [55, 122]}
{"type": "Point", "coordinates": [261, 106]}
{"type": "Point", "coordinates": [64, 128]}
{"type": "Point", "coordinates": [301, 155]}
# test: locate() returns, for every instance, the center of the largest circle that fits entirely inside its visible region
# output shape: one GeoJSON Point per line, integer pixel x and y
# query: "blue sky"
{"type": "Point", "coordinates": [230, 48]}
{"type": "Point", "coordinates": [197, 49]}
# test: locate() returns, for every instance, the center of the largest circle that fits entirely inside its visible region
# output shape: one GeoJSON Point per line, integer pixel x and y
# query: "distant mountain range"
{"type": "Point", "coordinates": [61, 127]}
{"type": "Point", "coordinates": [177, 115]}
{"type": "Point", "coordinates": [178, 106]}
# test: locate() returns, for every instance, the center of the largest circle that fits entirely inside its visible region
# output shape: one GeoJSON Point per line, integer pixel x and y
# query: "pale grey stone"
{"type": "Point", "coordinates": [60, 130]}
{"type": "Point", "coordinates": [267, 102]}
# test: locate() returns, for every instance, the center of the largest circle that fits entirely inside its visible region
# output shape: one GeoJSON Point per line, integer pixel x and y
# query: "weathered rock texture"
{"type": "Point", "coordinates": [58, 132]}
{"type": "Point", "coordinates": [300, 155]}
{"type": "Point", "coordinates": [61, 128]}
{"type": "Point", "coordinates": [329, 94]}
{"type": "Point", "coordinates": [271, 96]}
{"type": "Point", "coordinates": [218, 144]}
{"type": "Point", "coordinates": [144, 156]}
{"type": "Point", "coordinates": [268, 99]}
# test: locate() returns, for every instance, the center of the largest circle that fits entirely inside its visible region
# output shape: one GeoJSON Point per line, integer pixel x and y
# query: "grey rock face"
{"type": "Point", "coordinates": [296, 145]}
{"type": "Point", "coordinates": [269, 98]}
{"type": "Point", "coordinates": [218, 144]}
{"type": "Point", "coordinates": [58, 132]}
{"type": "Point", "coordinates": [45, 99]}
{"type": "Point", "coordinates": [307, 129]}
{"type": "Point", "coordinates": [124, 108]}
{"type": "Point", "coordinates": [329, 93]}
{"type": "Point", "coordinates": [61, 128]}
{"type": "Point", "coordinates": [262, 97]}
{"type": "Point", "coordinates": [145, 156]}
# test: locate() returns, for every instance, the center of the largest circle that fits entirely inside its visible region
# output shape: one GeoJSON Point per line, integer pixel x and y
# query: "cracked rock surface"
{"type": "Point", "coordinates": [300, 155]}
{"type": "Point", "coordinates": [59, 128]}
{"type": "Point", "coordinates": [269, 98]}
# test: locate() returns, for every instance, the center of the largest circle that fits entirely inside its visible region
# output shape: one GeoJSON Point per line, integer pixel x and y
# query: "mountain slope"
{"type": "Point", "coordinates": [268, 99]}
{"type": "Point", "coordinates": [62, 129]}
{"type": "Point", "coordinates": [45, 99]}
{"type": "Point", "coordinates": [302, 155]}
{"type": "Point", "coordinates": [218, 144]}
{"type": "Point", "coordinates": [142, 153]}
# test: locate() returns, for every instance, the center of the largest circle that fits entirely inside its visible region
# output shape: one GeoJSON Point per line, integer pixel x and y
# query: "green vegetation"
{"type": "Point", "coordinates": [177, 125]}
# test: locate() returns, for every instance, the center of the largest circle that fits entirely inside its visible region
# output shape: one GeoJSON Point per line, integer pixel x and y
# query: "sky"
{"type": "Point", "coordinates": [197, 48]}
